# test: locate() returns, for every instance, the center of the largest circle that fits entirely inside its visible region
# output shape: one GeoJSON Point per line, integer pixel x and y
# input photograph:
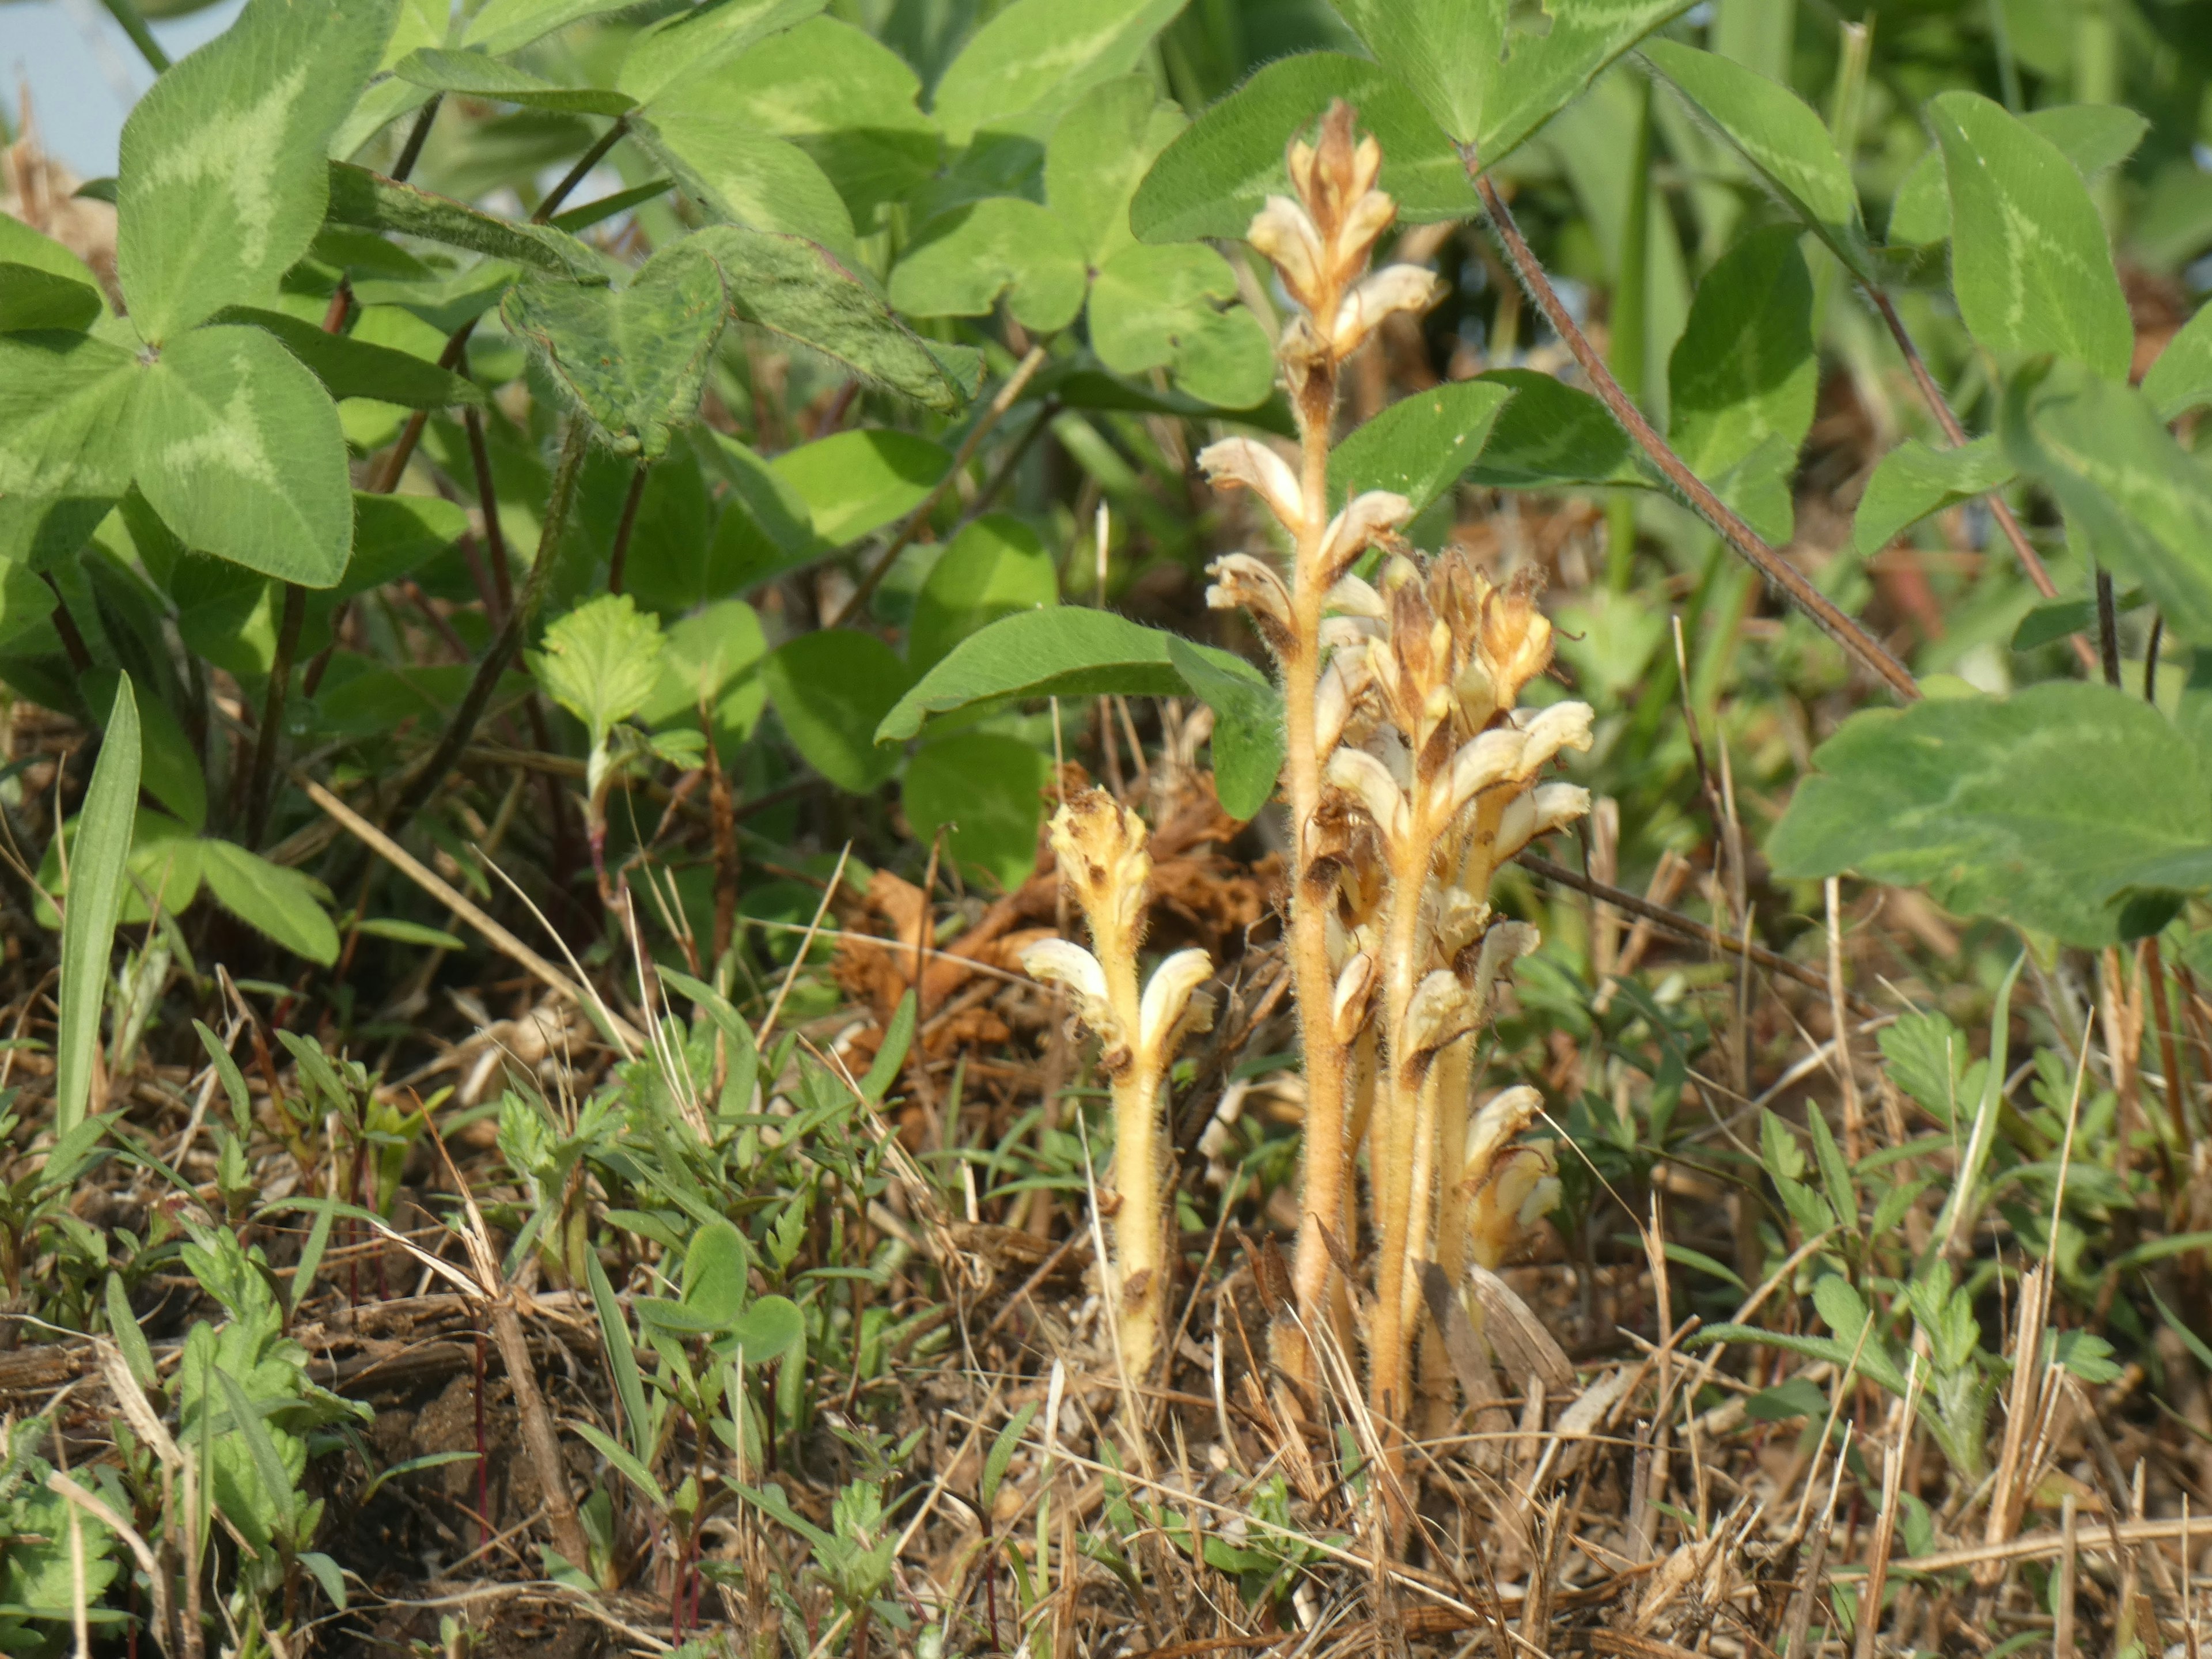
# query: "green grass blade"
{"type": "Point", "coordinates": [95, 896]}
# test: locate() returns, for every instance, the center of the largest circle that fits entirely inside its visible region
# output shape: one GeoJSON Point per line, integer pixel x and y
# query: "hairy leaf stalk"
{"type": "Point", "coordinates": [1101, 848]}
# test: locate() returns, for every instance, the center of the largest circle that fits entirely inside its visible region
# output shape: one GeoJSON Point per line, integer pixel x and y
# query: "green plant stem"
{"type": "Point", "coordinates": [258, 790]}
{"type": "Point", "coordinates": [1630, 328]}
{"type": "Point", "coordinates": [2108, 630]}
{"type": "Point", "coordinates": [576, 175]}
{"type": "Point", "coordinates": [990, 417]}
{"type": "Point", "coordinates": [504, 645]}
{"type": "Point", "coordinates": [1795, 585]}
{"type": "Point", "coordinates": [412, 151]}
{"type": "Point", "coordinates": [125, 13]}
{"type": "Point", "coordinates": [620, 556]}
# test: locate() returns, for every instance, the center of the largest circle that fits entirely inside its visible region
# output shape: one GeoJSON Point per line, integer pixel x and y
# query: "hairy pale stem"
{"type": "Point", "coordinates": [1452, 1072]}
{"type": "Point", "coordinates": [1328, 1151]}
{"type": "Point", "coordinates": [1795, 585]}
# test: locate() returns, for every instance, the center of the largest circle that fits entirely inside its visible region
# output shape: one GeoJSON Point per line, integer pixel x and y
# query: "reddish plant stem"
{"type": "Point", "coordinates": [65, 625]}
{"type": "Point", "coordinates": [1748, 545]}
{"type": "Point", "coordinates": [502, 578]}
{"type": "Point", "coordinates": [1939, 406]}
{"type": "Point", "coordinates": [627, 522]}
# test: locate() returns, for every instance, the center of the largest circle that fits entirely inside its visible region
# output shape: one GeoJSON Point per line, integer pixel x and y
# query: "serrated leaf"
{"type": "Point", "coordinates": [64, 441]}
{"type": "Point", "coordinates": [601, 662]}
{"type": "Point", "coordinates": [505, 25]}
{"type": "Point", "coordinates": [1034, 58]}
{"type": "Point", "coordinates": [2029, 262]}
{"type": "Point", "coordinates": [2181, 379]}
{"type": "Point", "coordinates": [286, 905]}
{"type": "Point", "coordinates": [982, 787]}
{"type": "Point", "coordinates": [95, 895]}
{"type": "Point", "coordinates": [994, 567]}
{"type": "Point", "coordinates": [2033, 807]}
{"type": "Point", "coordinates": [2093, 136]}
{"type": "Point", "coordinates": [633, 359]}
{"type": "Point", "coordinates": [1161, 308]}
{"type": "Point", "coordinates": [965, 260]}
{"type": "Point", "coordinates": [372, 202]}
{"type": "Point", "coordinates": [1551, 436]}
{"type": "Point", "coordinates": [356, 368]}
{"type": "Point", "coordinates": [699, 42]}
{"type": "Point", "coordinates": [1220, 171]}
{"type": "Point", "coordinates": [1743, 378]}
{"type": "Point", "coordinates": [238, 448]}
{"type": "Point", "coordinates": [831, 689]}
{"type": "Point", "coordinates": [1446, 52]}
{"type": "Point", "coordinates": [798, 289]}
{"type": "Point", "coordinates": [2140, 503]}
{"type": "Point", "coordinates": [1779, 135]}
{"type": "Point", "coordinates": [745, 176]}
{"type": "Point", "coordinates": [476, 74]}
{"type": "Point", "coordinates": [1914, 481]}
{"type": "Point", "coordinates": [221, 183]}
{"type": "Point", "coordinates": [1099, 154]}
{"type": "Point", "coordinates": [1420, 445]}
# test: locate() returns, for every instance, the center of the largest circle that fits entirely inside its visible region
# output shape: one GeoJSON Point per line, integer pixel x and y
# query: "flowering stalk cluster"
{"type": "Point", "coordinates": [1100, 844]}
{"type": "Point", "coordinates": [1413, 774]}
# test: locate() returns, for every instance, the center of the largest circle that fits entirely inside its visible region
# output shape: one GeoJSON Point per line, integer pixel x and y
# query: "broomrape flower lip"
{"type": "Point", "coordinates": [1252, 465]}
{"type": "Point", "coordinates": [1064, 963]}
{"type": "Point", "coordinates": [1169, 999]}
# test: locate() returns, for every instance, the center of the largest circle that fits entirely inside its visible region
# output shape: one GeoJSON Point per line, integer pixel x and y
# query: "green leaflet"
{"type": "Point", "coordinates": [831, 690]}
{"type": "Point", "coordinates": [2144, 502]}
{"type": "Point", "coordinates": [221, 183]}
{"type": "Point", "coordinates": [632, 359]}
{"type": "Point", "coordinates": [373, 201]}
{"type": "Point", "coordinates": [2029, 262]}
{"type": "Point", "coordinates": [1543, 71]}
{"type": "Point", "coordinates": [1914, 481]}
{"type": "Point", "coordinates": [2181, 379]}
{"type": "Point", "coordinates": [1446, 52]}
{"type": "Point", "coordinates": [348, 368]}
{"type": "Point", "coordinates": [2093, 137]}
{"type": "Point", "coordinates": [986, 790]}
{"type": "Point", "coordinates": [1549, 436]}
{"type": "Point", "coordinates": [504, 25]}
{"type": "Point", "coordinates": [851, 103]}
{"type": "Point", "coordinates": [64, 453]}
{"type": "Point", "coordinates": [994, 567]}
{"type": "Point", "coordinates": [965, 260]}
{"type": "Point", "coordinates": [1743, 377]}
{"type": "Point", "coordinates": [1099, 154]}
{"type": "Point", "coordinates": [42, 284]}
{"type": "Point", "coordinates": [796, 288]}
{"type": "Point", "coordinates": [1220, 171]}
{"type": "Point", "coordinates": [474, 75]}
{"type": "Point", "coordinates": [286, 905]}
{"type": "Point", "coordinates": [1420, 445]}
{"type": "Point", "coordinates": [601, 662]}
{"type": "Point", "coordinates": [2034, 807]}
{"type": "Point", "coordinates": [810, 501]}
{"type": "Point", "coordinates": [238, 449]}
{"type": "Point", "coordinates": [95, 895]}
{"type": "Point", "coordinates": [1067, 652]}
{"type": "Point", "coordinates": [1034, 58]}
{"type": "Point", "coordinates": [748, 177]}
{"type": "Point", "coordinates": [697, 43]}
{"type": "Point", "coordinates": [1148, 309]}
{"type": "Point", "coordinates": [1779, 135]}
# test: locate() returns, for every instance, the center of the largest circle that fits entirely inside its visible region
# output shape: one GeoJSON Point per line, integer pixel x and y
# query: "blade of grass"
{"type": "Point", "coordinates": [94, 899]}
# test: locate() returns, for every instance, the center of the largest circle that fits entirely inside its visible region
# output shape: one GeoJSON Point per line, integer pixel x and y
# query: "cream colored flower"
{"type": "Point", "coordinates": [1547, 807]}
{"type": "Point", "coordinates": [1368, 780]}
{"type": "Point", "coordinates": [1365, 519]}
{"type": "Point", "coordinates": [1247, 463]}
{"type": "Point", "coordinates": [1394, 288]}
{"type": "Point", "coordinates": [1243, 582]}
{"type": "Point", "coordinates": [1171, 1010]}
{"type": "Point", "coordinates": [1061, 963]}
